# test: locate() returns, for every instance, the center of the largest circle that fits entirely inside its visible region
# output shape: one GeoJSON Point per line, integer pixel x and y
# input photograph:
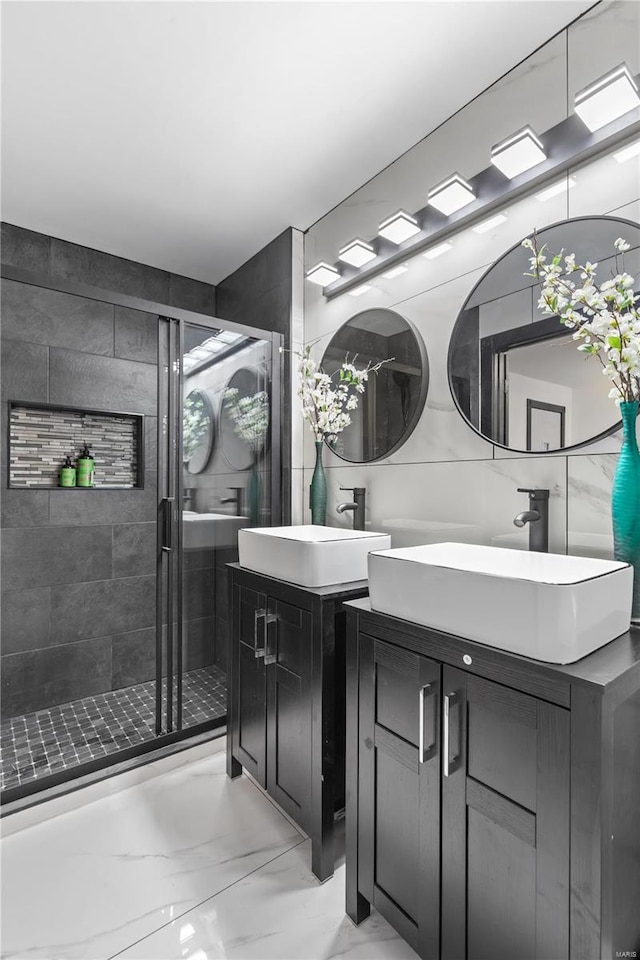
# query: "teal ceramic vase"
{"type": "Point", "coordinates": [254, 492]}
{"type": "Point", "coordinates": [625, 501]}
{"type": "Point", "coordinates": [318, 491]}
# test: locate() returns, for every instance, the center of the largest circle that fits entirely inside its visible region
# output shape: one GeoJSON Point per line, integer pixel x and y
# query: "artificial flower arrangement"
{"type": "Point", "coordinates": [605, 318]}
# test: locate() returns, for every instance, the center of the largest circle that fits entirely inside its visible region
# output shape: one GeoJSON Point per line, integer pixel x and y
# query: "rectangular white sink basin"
{"type": "Point", "coordinates": [309, 555]}
{"type": "Point", "coordinates": [201, 531]}
{"type": "Point", "coordinates": [546, 606]}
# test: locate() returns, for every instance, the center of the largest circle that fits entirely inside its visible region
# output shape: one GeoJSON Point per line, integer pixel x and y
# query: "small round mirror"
{"type": "Point", "coordinates": [394, 396]}
{"type": "Point", "coordinates": [515, 373]}
{"type": "Point", "coordinates": [197, 431]}
{"type": "Point", "coordinates": [244, 418]}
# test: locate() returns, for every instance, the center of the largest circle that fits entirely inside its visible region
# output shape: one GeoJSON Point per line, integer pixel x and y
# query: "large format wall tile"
{"type": "Point", "coordinates": [133, 657]}
{"type": "Point", "coordinates": [102, 383]}
{"type": "Point", "coordinates": [103, 506]}
{"type": "Point", "coordinates": [42, 678]}
{"type": "Point", "coordinates": [82, 610]}
{"type": "Point", "coordinates": [192, 295]}
{"type": "Point", "coordinates": [589, 530]}
{"type": "Point", "coordinates": [134, 549]}
{"type": "Point", "coordinates": [25, 619]}
{"type": "Point", "coordinates": [199, 640]}
{"type": "Point", "coordinates": [25, 249]}
{"type": "Point", "coordinates": [25, 508]}
{"type": "Point", "coordinates": [39, 556]}
{"type": "Point", "coordinates": [56, 319]}
{"type": "Point", "coordinates": [92, 267]}
{"type": "Point", "coordinates": [25, 374]}
{"type": "Point", "coordinates": [136, 335]}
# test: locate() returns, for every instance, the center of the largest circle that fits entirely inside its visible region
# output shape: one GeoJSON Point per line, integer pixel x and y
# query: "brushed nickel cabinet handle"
{"type": "Point", "coordinates": [271, 656]}
{"type": "Point", "coordinates": [450, 700]}
{"type": "Point", "coordinates": [424, 692]}
{"type": "Point", "coordinates": [258, 615]}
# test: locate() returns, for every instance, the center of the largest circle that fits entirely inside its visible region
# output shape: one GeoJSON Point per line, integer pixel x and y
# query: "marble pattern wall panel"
{"type": "Point", "coordinates": [589, 482]}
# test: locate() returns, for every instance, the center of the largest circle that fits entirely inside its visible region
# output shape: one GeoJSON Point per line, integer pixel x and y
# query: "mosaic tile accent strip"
{"type": "Point", "coordinates": [35, 745]}
{"type": "Point", "coordinates": [41, 439]}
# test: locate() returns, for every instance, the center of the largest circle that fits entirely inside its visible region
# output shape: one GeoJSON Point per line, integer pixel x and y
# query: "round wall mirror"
{"type": "Point", "coordinates": [516, 374]}
{"type": "Point", "coordinates": [394, 397]}
{"type": "Point", "coordinates": [244, 418]}
{"type": "Point", "coordinates": [197, 431]}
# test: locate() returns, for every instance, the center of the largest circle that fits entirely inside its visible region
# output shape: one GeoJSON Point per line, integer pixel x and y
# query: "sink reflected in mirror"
{"type": "Point", "coordinates": [202, 531]}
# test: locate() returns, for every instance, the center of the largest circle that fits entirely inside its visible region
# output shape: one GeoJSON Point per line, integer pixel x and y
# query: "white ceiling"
{"type": "Point", "coordinates": [187, 135]}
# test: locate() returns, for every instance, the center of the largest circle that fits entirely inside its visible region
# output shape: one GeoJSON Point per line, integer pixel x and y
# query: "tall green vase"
{"type": "Point", "coordinates": [318, 491]}
{"type": "Point", "coordinates": [625, 501]}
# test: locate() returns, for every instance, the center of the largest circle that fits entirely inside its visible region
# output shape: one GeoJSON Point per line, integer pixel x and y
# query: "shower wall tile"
{"type": "Point", "coordinates": [25, 374]}
{"type": "Point", "coordinates": [192, 295]}
{"type": "Point", "coordinates": [102, 383]}
{"type": "Point", "coordinates": [40, 556]}
{"type": "Point", "coordinates": [104, 607]}
{"type": "Point", "coordinates": [103, 506]}
{"type": "Point", "coordinates": [70, 261]}
{"type": "Point", "coordinates": [134, 549]}
{"type": "Point", "coordinates": [24, 249]}
{"type": "Point", "coordinates": [41, 678]}
{"type": "Point", "coordinates": [56, 319]}
{"type": "Point", "coordinates": [25, 508]}
{"type": "Point", "coordinates": [136, 335]}
{"type": "Point", "coordinates": [133, 657]}
{"type": "Point", "coordinates": [25, 620]}
{"type": "Point", "coordinates": [198, 643]}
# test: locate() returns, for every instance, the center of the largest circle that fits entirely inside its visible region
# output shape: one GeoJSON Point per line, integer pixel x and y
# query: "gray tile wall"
{"type": "Point", "coordinates": [78, 591]}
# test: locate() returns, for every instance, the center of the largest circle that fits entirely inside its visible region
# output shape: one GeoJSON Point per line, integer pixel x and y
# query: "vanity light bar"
{"type": "Point", "coordinates": [519, 152]}
{"type": "Point", "coordinates": [399, 227]}
{"type": "Point", "coordinates": [555, 189]}
{"type": "Point", "coordinates": [633, 150]}
{"type": "Point", "coordinates": [451, 195]}
{"type": "Point", "coordinates": [323, 274]}
{"type": "Point", "coordinates": [437, 251]}
{"type": "Point", "coordinates": [357, 253]}
{"type": "Point", "coordinates": [489, 224]}
{"type": "Point", "coordinates": [608, 98]}
{"type": "Point", "coordinates": [395, 272]}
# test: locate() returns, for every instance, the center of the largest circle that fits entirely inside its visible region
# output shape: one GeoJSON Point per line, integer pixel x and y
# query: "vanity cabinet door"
{"type": "Point", "coordinates": [288, 668]}
{"type": "Point", "coordinates": [399, 790]}
{"type": "Point", "coordinates": [248, 703]}
{"type": "Point", "coordinates": [505, 813]}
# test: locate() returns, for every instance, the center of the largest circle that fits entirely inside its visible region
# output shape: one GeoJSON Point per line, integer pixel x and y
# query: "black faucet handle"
{"type": "Point", "coordinates": [536, 493]}
{"type": "Point", "coordinates": [351, 489]}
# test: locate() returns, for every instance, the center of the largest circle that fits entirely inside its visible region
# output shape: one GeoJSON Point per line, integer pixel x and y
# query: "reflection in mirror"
{"type": "Point", "coordinates": [516, 375]}
{"type": "Point", "coordinates": [394, 397]}
{"type": "Point", "coordinates": [197, 431]}
{"type": "Point", "coordinates": [244, 418]}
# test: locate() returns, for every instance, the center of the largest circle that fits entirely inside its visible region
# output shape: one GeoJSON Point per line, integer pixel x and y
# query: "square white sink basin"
{"type": "Point", "coordinates": [309, 555]}
{"type": "Point", "coordinates": [201, 531]}
{"type": "Point", "coordinates": [546, 606]}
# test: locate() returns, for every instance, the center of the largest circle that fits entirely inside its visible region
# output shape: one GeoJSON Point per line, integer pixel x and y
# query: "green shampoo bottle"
{"type": "Point", "coordinates": [86, 466]}
{"type": "Point", "coordinates": [68, 474]}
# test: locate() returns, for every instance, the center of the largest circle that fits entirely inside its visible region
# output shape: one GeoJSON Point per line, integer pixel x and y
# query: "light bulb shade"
{"type": "Point", "coordinates": [519, 152]}
{"type": "Point", "coordinates": [357, 253]}
{"type": "Point", "coordinates": [399, 227]}
{"type": "Point", "coordinates": [437, 251]}
{"type": "Point", "coordinates": [608, 98]}
{"type": "Point", "coordinates": [323, 274]}
{"type": "Point", "coordinates": [451, 195]}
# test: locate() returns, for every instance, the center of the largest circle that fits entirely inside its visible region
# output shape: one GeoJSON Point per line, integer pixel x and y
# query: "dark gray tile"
{"type": "Point", "coordinates": [40, 556]}
{"type": "Point", "coordinates": [24, 371]}
{"type": "Point", "coordinates": [56, 319]}
{"type": "Point", "coordinates": [134, 549]}
{"type": "Point", "coordinates": [42, 678]}
{"type": "Point", "coordinates": [73, 262]}
{"type": "Point", "coordinates": [198, 594]}
{"type": "Point", "coordinates": [133, 658]}
{"type": "Point", "coordinates": [102, 383]}
{"type": "Point", "coordinates": [25, 508]}
{"type": "Point", "coordinates": [259, 292]}
{"type": "Point", "coordinates": [25, 249]}
{"type": "Point", "coordinates": [25, 619]}
{"type": "Point", "coordinates": [103, 506]}
{"type": "Point", "coordinates": [136, 335]}
{"type": "Point", "coordinates": [105, 607]}
{"type": "Point", "coordinates": [198, 643]}
{"type": "Point", "coordinates": [223, 631]}
{"type": "Point", "coordinates": [222, 592]}
{"type": "Point", "coordinates": [198, 559]}
{"type": "Point", "coordinates": [192, 295]}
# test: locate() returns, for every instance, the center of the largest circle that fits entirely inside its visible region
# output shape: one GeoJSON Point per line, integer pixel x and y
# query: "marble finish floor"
{"type": "Point", "coordinates": [35, 745]}
{"type": "Point", "coordinates": [173, 861]}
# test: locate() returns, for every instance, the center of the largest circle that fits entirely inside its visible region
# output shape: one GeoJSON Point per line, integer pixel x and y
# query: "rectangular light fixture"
{"type": "Point", "coordinates": [357, 253]}
{"type": "Point", "coordinates": [399, 227]}
{"type": "Point", "coordinates": [627, 153]}
{"type": "Point", "coordinates": [395, 272]}
{"type": "Point", "coordinates": [437, 251]}
{"type": "Point", "coordinates": [451, 195]}
{"type": "Point", "coordinates": [323, 274]}
{"type": "Point", "coordinates": [607, 98]}
{"type": "Point", "coordinates": [363, 288]}
{"type": "Point", "coordinates": [555, 190]}
{"type": "Point", "coordinates": [519, 152]}
{"type": "Point", "coordinates": [489, 224]}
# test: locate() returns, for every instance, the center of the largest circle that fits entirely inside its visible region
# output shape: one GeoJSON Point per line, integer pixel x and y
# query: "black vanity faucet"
{"type": "Point", "coordinates": [357, 506]}
{"type": "Point", "coordinates": [537, 516]}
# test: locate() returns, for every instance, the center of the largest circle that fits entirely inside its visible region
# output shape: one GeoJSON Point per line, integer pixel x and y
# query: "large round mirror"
{"type": "Point", "coordinates": [244, 418]}
{"type": "Point", "coordinates": [516, 374]}
{"type": "Point", "coordinates": [393, 399]}
{"type": "Point", "coordinates": [197, 431]}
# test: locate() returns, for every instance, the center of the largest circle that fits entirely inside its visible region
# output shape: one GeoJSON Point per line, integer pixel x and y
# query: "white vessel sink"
{"type": "Point", "coordinates": [540, 605]}
{"type": "Point", "coordinates": [210, 530]}
{"type": "Point", "coordinates": [411, 533]}
{"type": "Point", "coordinates": [311, 556]}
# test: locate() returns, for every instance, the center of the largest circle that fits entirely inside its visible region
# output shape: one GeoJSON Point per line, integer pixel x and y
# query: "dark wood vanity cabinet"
{"type": "Point", "coordinates": [493, 802]}
{"type": "Point", "coordinates": [286, 698]}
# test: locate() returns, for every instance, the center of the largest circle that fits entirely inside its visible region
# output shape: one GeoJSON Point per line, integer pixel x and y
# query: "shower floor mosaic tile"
{"type": "Point", "coordinates": [35, 745]}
